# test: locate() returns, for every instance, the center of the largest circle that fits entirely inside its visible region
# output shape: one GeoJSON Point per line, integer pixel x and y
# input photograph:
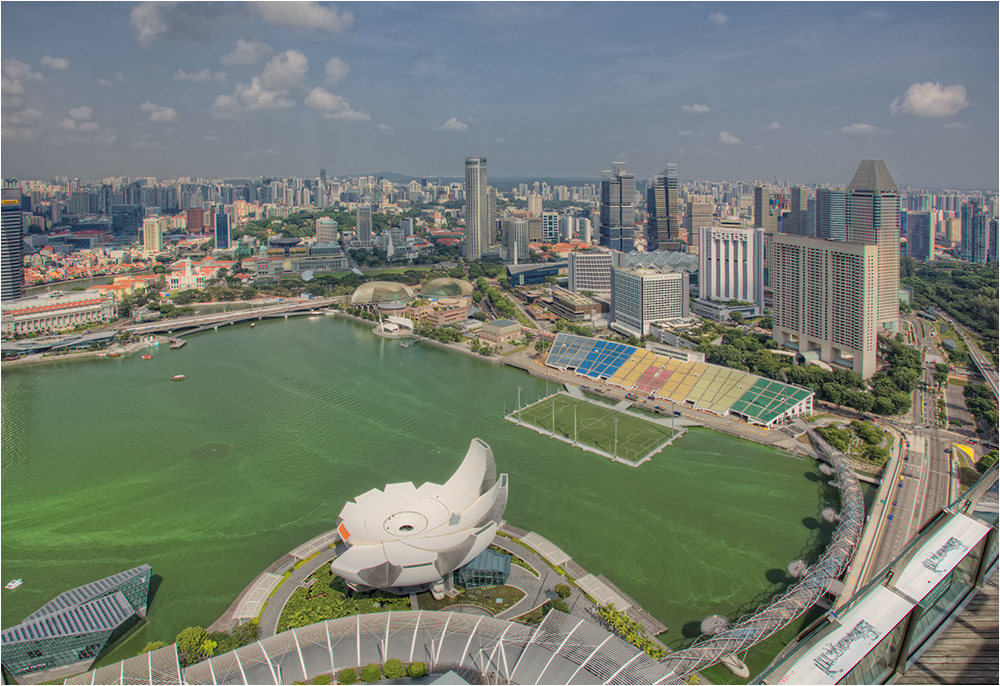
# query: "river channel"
{"type": "Point", "coordinates": [107, 464]}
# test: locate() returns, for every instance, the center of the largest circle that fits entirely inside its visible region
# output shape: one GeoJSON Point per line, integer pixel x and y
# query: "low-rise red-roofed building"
{"type": "Point", "coordinates": [56, 311]}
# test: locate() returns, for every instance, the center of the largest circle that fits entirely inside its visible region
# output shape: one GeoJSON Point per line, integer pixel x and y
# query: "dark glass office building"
{"type": "Point", "coordinates": [72, 630]}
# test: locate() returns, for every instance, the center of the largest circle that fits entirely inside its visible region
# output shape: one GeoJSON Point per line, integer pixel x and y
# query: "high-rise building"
{"type": "Point", "coordinates": [873, 219]}
{"type": "Point", "coordinates": [125, 222]}
{"type": "Point", "coordinates": [993, 253]}
{"type": "Point", "coordinates": [640, 297]}
{"type": "Point", "coordinates": [535, 205]}
{"type": "Point", "coordinates": [763, 216]}
{"type": "Point", "coordinates": [515, 239]}
{"type": "Point", "coordinates": [831, 214]}
{"type": "Point", "coordinates": [406, 224]}
{"type": "Point", "coordinates": [975, 231]}
{"type": "Point", "coordinates": [662, 207]}
{"type": "Point", "coordinates": [326, 230]}
{"type": "Point", "coordinates": [584, 229]}
{"type": "Point", "coordinates": [920, 236]}
{"type": "Point", "coordinates": [567, 227]}
{"type": "Point", "coordinates": [550, 227]}
{"type": "Point", "coordinates": [152, 235]}
{"type": "Point", "coordinates": [700, 214]}
{"type": "Point", "coordinates": [11, 243]}
{"type": "Point", "coordinates": [363, 223]}
{"type": "Point", "coordinates": [617, 227]}
{"type": "Point", "coordinates": [490, 228]}
{"type": "Point", "coordinates": [731, 264]}
{"type": "Point", "coordinates": [196, 220]}
{"type": "Point", "coordinates": [476, 208]}
{"type": "Point", "coordinates": [825, 299]}
{"type": "Point", "coordinates": [590, 271]}
{"type": "Point", "coordinates": [223, 235]}
{"type": "Point", "coordinates": [797, 220]}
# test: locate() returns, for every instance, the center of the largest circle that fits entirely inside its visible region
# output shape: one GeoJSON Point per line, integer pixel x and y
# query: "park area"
{"type": "Point", "coordinates": [596, 427]}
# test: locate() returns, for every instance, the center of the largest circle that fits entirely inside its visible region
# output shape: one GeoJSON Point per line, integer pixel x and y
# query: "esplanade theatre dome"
{"type": "Point", "coordinates": [375, 292]}
{"type": "Point", "coordinates": [446, 288]}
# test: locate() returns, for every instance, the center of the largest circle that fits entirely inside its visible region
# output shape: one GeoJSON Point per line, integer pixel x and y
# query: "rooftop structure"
{"type": "Point", "coordinates": [446, 288]}
{"type": "Point", "coordinates": [68, 633]}
{"type": "Point", "coordinates": [381, 291]}
{"type": "Point", "coordinates": [406, 537]}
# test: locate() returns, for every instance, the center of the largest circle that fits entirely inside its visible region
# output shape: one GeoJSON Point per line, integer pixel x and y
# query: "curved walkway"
{"type": "Point", "coordinates": [276, 603]}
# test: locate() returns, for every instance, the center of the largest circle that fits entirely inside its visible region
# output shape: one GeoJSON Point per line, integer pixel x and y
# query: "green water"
{"type": "Point", "coordinates": [107, 464]}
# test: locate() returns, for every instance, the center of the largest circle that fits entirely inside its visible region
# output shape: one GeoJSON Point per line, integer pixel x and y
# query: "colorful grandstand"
{"type": "Point", "coordinates": [706, 387]}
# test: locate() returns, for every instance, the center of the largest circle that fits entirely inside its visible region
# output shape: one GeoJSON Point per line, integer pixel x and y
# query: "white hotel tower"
{"type": "Point", "coordinates": [731, 264]}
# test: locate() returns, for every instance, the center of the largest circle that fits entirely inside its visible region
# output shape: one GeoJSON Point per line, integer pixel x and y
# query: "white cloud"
{"type": "Point", "coordinates": [861, 129]}
{"type": "Point", "coordinates": [336, 71]}
{"type": "Point", "coordinates": [158, 113]}
{"type": "Point", "coordinates": [452, 124]}
{"type": "Point", "coordinates": [200, 76]}
{"type": "Point", "coordinates": [145, 143]}
{"type": "Point", "coordinates": [385, 128]}
{"type": "Point", "coordinates": [773, 126]}
{"type": "Point", "coordinates": [286, 71]}
{"type": "Point", "coordinates": [108, 83]}
{"type": "Point", "coordinates": [718, 18]}
{"type": "Point", "coordinates": [930, 100]}
{"type": "Point", "coordinates": [501, 140]}
{"type": "Point", "coordinates": [79, 121]}
{"type": "Point", "coordinates": [57, 63]}
{"type": "Point", "coordinates": [685, 133]}
{"type": "Point", "coordinates": [696, 109]}
{"type": "Point", "coordinates": [333, 106]}
{"type": "Point", "coordinates": [82, 113]}
{"type": "Point", "coordinates": [105, 83]}
{"type": "Point", "coordinates": [23, 124]}
{"type": "Point", "coordinates": [304, 15]}
{"type": "Point", "coordinates": [246, 53]}
{"type": "Point", "coordinates": [726, 138]}
{"type": "Point", "coordinates": [955, 125]}
{"type": "Point", "coordinates": [15, 74]}
{"type": "Point", "coordinates": [154, 20]}
{"type": "Point", "coordinates": [436, 67]}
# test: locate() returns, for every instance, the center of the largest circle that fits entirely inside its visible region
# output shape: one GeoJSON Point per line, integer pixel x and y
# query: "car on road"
{"type": "Point", "coordinates": [895, 503]}
{"type": "Point", "coordinates": [890, 518]}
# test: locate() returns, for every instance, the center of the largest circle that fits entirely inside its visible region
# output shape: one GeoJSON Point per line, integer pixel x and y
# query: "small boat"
{"type": "Point", "coordinates": [147, 357]}
{"type": "Point", "coordinates": [253, 324]}
{"type": "Point", "coordinates": [11, 585]}
{"type": "Point", "coordinates": [114, 354]}
{"type": "Point", "coordinates": [179, 377]}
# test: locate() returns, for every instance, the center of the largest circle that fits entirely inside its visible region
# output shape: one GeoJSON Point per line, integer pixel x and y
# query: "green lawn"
{"type": "Point", "coordinates": [595, 426]}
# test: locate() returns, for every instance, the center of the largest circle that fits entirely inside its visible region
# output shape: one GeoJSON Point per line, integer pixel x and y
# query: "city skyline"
{"type": "Point", "coordinates": [797, 91]}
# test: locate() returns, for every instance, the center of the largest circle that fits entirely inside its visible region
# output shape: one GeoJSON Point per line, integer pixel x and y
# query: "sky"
{"type": "Point", "coordinates": [729, 91]}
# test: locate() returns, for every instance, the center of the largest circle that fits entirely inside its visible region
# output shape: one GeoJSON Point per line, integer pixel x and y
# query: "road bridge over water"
{"type": "Point", "coordinates": [183, 326]}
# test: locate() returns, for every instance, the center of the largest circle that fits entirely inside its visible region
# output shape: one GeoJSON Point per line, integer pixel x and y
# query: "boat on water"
{"type": "Point", "coordinates": [11, 585]}
{"type": "Point", "coordinates": [114, 354]}
{"type": "Point", "coordinates": [147, 357]}
{"type": "Point", "coordinates": [178, 377]}
{"type": "Point", "coordinates": [253, 324]}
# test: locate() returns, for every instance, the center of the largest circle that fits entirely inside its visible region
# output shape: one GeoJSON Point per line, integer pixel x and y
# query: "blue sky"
{"type": "Point", "coordinates": [735, 91]}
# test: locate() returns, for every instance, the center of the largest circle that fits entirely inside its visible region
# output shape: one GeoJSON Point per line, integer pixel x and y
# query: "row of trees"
{"type": "Point", "coordinates": [194, 644]}
{"type": "Point", "coordinates": [628, 629]}
{"type": "Point", "coordinates": [981, 404]}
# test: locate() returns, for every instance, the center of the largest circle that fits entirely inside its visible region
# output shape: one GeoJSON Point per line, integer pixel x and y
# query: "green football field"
{"type": "Point", "coordinates": [595, 426]}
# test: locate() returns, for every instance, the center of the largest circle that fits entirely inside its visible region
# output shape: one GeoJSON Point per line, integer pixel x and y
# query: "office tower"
{"type": "Point", "coordinates": [663, 210]}
{"type": "Point", "coordinates": [535, 205]}
{"type": "Point", "coordinates": [585, 229]}
{"type": "Point", "coordinates": [490, 228]}
{"type": "Point", "coordinates": [152, 235]}
{"type": "Point", "coordinates": [12, 243]}
{"type": "Point", "coordinates": [363, 223]}
{"type": "Point", "coordinates": [700, 214]}
{"type": "Point", "coordinates": [975, 231]}
{"type": "Point", "coordinates": [873, 219]}
{"type": "Point", "coordinates": [953, 232]}
{"type": "Point", "coordinates": [797, 220]}
{"type": "Point", "coordinates": [125, 222]}
{"type": "Point", "coordinates": [567, 227]}
{"type": "Point", "coordinates": [326, 230]}
{"type": "Point", "coordinates": [920, 236]}
{"type": "Point", "coordinates": [640, 297]}
{"type": "Point", "coordinates": [731, 264]}
{"type": "Point", "coordinates": [476, 210]}
{"type": "Point", "coordinates": [763, 216]}
{"type": "Point", "coordinates": [825, 296]}
{"type": "Point", "coordinates": [406, 224]}
{"type": "Point", "coordinates": [195, 220]}
{"type": "Point", "coordinates": [831, 214]}
{"type": "Point", "coordinates": [992, 252]}
{"type": "Point", "coordinates": [550, 227]}
{"type": "Point", "coordinates": [617, 208]}
{"type": "Point", "coordinates": [321, 194]}
{"type": "Point", "coordinates": [590, 271]}
{"type": "Point", "coordinates": [222, 229]}
{"type": "Point", "coordinates": [515, 239]}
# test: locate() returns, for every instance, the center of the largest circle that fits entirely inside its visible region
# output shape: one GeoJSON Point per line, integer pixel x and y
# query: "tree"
{"type": "Point", "coordinates": [322, 679]}
{"type": "Point", "coordinates": [371, 673]}
{"type": "Point", "coordinates": [190, 643]}
{"type": "Point", "coordinates": [151, 646]}
{"type": "Point", "coordinates": [737, 317]}
{"type": "Point", "coordinates": [347, 676]}
{"type": "Point", "coordinates": [941, 374]}
{"type": "Point", "coordinates": [564, 590]}
{"type": "Point", "coordinates": [417, 670]}
{"type": "Point", "coordinates": [393, 669]}
{"type": "Point", "coordinates": [208, 646]}
{"type": "Point", "coordinates": [987, 461]}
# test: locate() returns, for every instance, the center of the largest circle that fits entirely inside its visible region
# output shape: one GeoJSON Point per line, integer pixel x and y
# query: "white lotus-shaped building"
{"type": "Point", "coordinates": [406, 536]}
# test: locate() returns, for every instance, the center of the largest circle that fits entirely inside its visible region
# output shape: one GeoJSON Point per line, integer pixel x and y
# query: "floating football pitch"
{"type": "Point", "coordinates": [595, 426]}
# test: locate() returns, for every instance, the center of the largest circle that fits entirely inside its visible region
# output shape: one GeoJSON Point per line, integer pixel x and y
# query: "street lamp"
{"type": "Point", "coordinates": [616, 437]}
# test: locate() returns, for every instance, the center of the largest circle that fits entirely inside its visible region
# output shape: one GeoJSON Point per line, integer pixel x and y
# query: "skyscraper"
{"type": "Point", "coordinates": [731, 264]}
{"type": "Point", "coordinates": [550, 226]}
{"type": "Point", "coordinates": [661, 205]}
{"type": "Point", "coordinates": [700, 214]}
{"type": "Point", "coordinates": [222, 229]}
{"type": "Point", "coordinates": [975, 231]}
{"type": "Point", "coordinates": [640, 297]}
{"type": "Point", "coordinates": [873, 219]}
{"type": "Point", "coordinates": [363, 221]}
{"type": "Point", "coordinates": [920, 236]}
{"type": "Point", "coordinates": [825, 296]}
{"type": "Point", "coordinates": [831, 214]}
{"type": "Point", "coordinates": [763, 216]}
{"type": "Point", "coordinates": [476, 208]}
{"type": "Point", "coordinates": [326, 230]}
{"type": "Point", "coordinates": [12, 244]}
{"type": "Point", "coordinates": [617, 208]}
{"type": "Point", "coordinates": [797, 221]}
